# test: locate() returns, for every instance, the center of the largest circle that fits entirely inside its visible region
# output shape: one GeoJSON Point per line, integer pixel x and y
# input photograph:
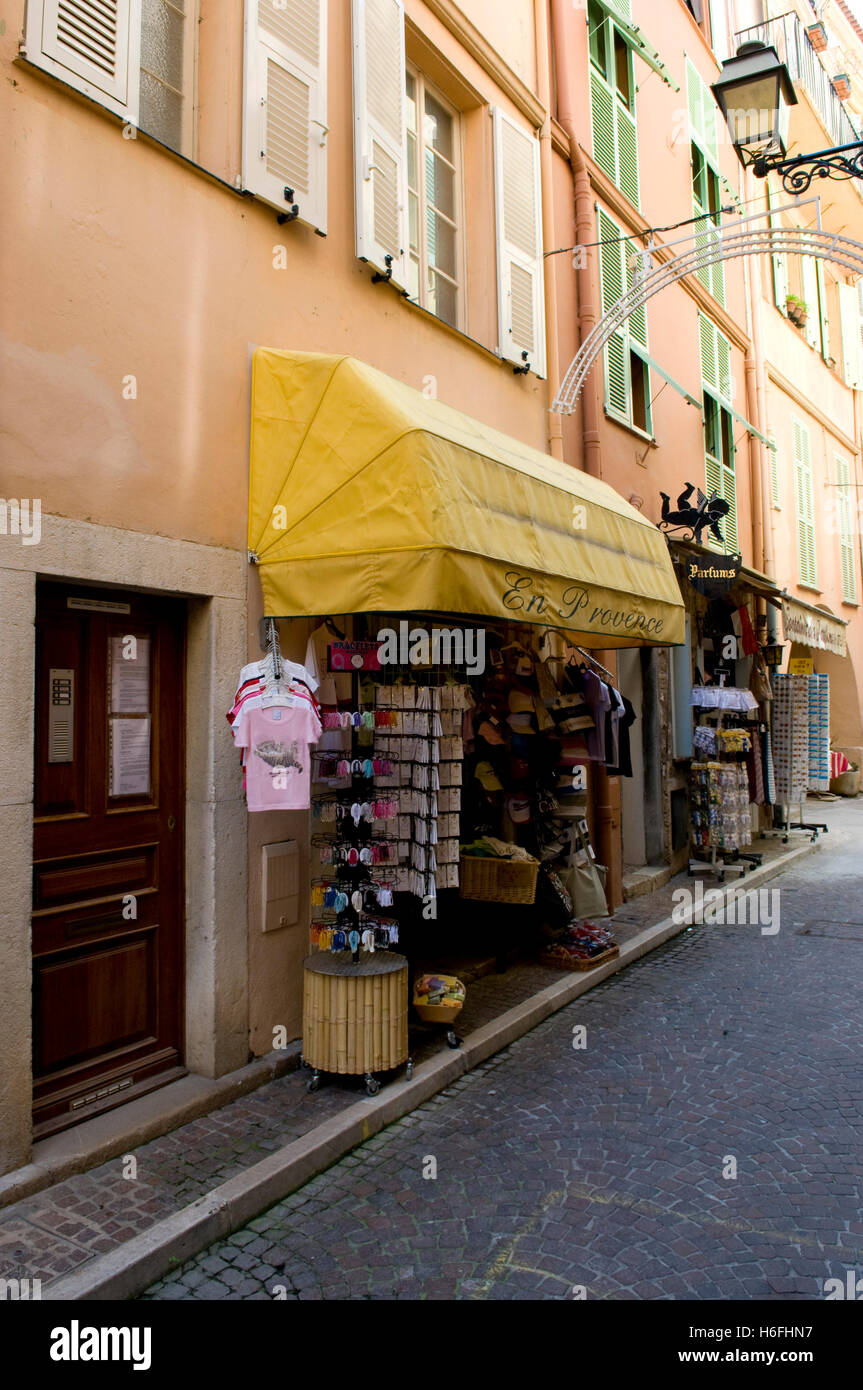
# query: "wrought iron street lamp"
{"type": "Point", "coordinates": [755, 94]}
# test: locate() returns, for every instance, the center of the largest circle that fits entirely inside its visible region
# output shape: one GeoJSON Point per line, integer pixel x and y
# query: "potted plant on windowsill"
{"type": "Point", "coordinates": [797, 310]}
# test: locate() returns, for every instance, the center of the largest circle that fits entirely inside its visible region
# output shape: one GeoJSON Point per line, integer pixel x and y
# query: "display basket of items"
{"type": "Point", "coordinates": [494, 879]}
{"type": "Point", "coordinates": [440, 999]}
{"type": "Point", "coordinates": [581, 947]}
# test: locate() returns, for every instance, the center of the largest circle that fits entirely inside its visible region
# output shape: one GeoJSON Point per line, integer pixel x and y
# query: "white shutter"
{"type": "Point", "coordinates": [845, 497]}
{"type": "Point", "coordinates": [284, 106]}
{"type": "Point", "coordinates": [779, 260]}
{"type": "Point", "coordinates": [94, 45]}
{"type": "Point", "coordinates": [806, 545]}
{"type": "Point", "coordinates": [518, 222]}
{"type": "Point", "coordinates": [380, 136]}
{"type": "Point", "coordinates": [849, 315]}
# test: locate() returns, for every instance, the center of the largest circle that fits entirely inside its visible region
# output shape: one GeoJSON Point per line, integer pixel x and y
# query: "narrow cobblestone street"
{"type": "Point", "coordinates": [609, 1168]}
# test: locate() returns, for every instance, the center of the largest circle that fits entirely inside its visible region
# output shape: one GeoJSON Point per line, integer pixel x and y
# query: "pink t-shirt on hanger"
{"type": "Point", "coordinates": [278, 759]}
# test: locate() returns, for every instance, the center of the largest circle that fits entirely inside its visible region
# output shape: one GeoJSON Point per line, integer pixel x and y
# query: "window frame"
{"type": "Point", "coordinates": [845, 507]}
{"type": "Point", "coordinates": [422, 85]}
{"type": "Point", "coordinates": [802, 466]}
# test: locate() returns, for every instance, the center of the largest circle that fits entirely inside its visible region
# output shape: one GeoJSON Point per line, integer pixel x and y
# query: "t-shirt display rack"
{"type": "Point", "coordinates": [720, 860]}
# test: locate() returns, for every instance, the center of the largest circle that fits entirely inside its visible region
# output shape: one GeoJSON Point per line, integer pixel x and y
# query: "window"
{"type": "Point", "coordinates": [706, 181]}
{"type": "Point", "coordinates": [851, 328]}
{"type": "Point", "coordinates": [719, 450]}
{"type": "Point", "coordinates": [720, 36]}
{"type": "Point", "coordinates": [612, 95]}
{"type": "Point", "coordinates": [409, 216]}
{"type": "Point", "coordinates": [433, 199]}
{"type": "Point", "coordinates": [167, 49]}
{"type": "Point", "coordinates": [285, 106]}
{"type": "Point", "coordinates": [806, 546]}
{"type": "Point", "coordinates": [135, 57]}
{"type": "Point", "coordinates": [845, 503]}
{"type": "Point", "coordinates": [627, 373]}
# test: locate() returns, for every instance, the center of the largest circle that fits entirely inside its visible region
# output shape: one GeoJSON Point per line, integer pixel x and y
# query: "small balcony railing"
{"type": "Point", "coordinates": [789, 38]}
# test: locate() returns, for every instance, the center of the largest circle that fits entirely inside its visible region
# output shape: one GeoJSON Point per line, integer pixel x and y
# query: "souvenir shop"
{"type": "Point", "coordinates": [447, 719]}
{"type": "Point", "coordinates": [760, 737]}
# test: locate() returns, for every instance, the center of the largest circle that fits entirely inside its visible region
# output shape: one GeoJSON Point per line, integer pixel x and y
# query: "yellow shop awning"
{"type": "Point", "coordinates": [365, 497]}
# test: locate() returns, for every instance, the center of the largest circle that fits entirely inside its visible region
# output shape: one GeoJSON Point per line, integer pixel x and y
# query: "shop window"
{"type": "Point", "coordinates": [433, 143]}
{"type": "Point", "coordinates": [612, 95]}
{"type": "Point", "coordinates": [135, 57]}
{"type": "Point", "coordinates": [627, 371]}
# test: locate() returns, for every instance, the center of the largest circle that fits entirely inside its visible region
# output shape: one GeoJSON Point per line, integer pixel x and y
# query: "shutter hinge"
{"type": "Point", "coordinates": [523, 370]}
{"type": "Point", "coordinates": [294, 213]}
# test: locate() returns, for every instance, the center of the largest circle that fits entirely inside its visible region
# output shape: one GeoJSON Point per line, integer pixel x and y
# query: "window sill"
{"type": "Point", "coordinates": [850, 603]}
{"type": "Point", "coordinates": [630, 428]}
{"type": "Point", "coordinates": [810, 588]}
{"type": "Point", "coordinates": [460, 334]}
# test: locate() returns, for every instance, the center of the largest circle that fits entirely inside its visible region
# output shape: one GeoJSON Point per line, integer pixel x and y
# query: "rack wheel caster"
{"type": "Point", "coordinates": [314, 1082]}
{"type": "Point", "coordinates": [306, 1066]}
{"type": "Point", "coordinates": [409, 1069]}
{"type": "Point", "coordinates": [785, 839]}
{"type": "Point", "coordinates": [372, 1086]}
{"type": "Point", "coordinates": [452, 1040]}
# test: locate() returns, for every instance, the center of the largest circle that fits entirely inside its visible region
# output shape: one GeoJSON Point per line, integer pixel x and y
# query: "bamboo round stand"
{"type": "Point", "coordinates": [355, 1017]}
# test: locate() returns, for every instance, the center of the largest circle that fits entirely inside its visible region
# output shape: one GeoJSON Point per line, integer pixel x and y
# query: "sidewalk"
{"type": "Point", "coordinates": [111, 1231]}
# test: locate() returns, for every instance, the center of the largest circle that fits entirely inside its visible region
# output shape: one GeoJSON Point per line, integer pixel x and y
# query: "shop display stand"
{"type": "Point", "coordinates": [355, 1002]}
{"type": "Point", "coordinates": [797, 736]}
{"type": "Point", "coordinates": [719, 863]}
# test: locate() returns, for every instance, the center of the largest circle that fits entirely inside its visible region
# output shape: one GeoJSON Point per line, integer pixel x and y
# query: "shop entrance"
{"type": "Point", "coordinates": [108, 851]}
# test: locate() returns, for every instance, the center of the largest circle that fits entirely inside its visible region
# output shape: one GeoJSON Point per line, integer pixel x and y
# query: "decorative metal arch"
{"type": "Point", "coordinates": [714, 248]}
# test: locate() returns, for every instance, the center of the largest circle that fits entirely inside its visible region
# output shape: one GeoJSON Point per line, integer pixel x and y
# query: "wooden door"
{"type": "Point", "coordinates": [108, 851]}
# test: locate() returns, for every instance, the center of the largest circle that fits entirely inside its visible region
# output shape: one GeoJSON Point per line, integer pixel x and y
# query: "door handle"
{"type": "Point", "coordinates": [171, 822]}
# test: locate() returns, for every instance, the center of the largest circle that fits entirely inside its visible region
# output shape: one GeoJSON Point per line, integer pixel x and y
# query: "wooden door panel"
{"type": "Point", "coordinates": [108, 850]}
{"type": "Point", "coordinates": [88, 876]}
{"type": "Point", "coordinates": [91, 1005]}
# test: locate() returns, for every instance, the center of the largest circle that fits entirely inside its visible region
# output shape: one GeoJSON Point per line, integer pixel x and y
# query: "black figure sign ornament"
{"type": "Point", "coordinates": [707, 512]}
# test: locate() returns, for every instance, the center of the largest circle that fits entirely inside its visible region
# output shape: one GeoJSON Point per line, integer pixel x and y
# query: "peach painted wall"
{"type": "Point", "coordinates": [133, 264]}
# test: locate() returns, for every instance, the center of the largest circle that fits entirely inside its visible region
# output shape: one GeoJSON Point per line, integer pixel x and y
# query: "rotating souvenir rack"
{"type": "Point", "coordinates": [358, 855]}
{"type": "Point", "coordinates": [801, 745]}
{"type": "Point", "coordinates": [720, 823]}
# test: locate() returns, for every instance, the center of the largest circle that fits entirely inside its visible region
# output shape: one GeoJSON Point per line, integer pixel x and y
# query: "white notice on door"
{"type": "Point", "coordinates": [130, 757]}
{"type": "Point", "coordinates": [130, 675]}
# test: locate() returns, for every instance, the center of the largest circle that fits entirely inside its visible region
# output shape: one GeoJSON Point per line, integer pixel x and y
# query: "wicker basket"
{"type": "Point", "coordinates": [498, 880]}
{"type": "Point", "coordinates": [438, 1013]}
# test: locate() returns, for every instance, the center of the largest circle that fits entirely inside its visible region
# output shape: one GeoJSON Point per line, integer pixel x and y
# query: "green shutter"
{"type": "Point", "coordinates": [627, 153]}
{"type": "Point", "coordinates": [845, 497]}
{"type": "Point", "coordinates": [612, 252]}
{"type": "Point", "coordinates": [721, 480]}
{"type": "Point", "coordinates": [637, 323]}
{"type": "Point", "coordinates": [806, 550]}
{"type": "Point", "coordinates": [617, 375]}
{"type": "Point", "coordinates": [702, 113]}
{"type": "Point", "coordinates": [602, 102]}
{"type": "Point", "coordinates": [707, 334]}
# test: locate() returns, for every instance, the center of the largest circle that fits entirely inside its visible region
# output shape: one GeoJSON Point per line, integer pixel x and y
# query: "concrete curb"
{"type": "Point", "coordinates": [125, 1272]}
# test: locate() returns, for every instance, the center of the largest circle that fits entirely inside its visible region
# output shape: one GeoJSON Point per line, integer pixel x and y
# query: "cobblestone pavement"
{"type": "Point", "coordinates": [605, 1167]}
{"type": "Point", "coordinates": [61, 1228]}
